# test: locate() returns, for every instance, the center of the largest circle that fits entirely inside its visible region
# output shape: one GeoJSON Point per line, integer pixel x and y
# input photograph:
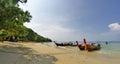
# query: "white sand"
{"type": "Point", "coordinates": [44, 54]}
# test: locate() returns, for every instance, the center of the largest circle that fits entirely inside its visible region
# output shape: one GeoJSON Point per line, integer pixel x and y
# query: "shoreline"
{"type": "Point", "coordinates": [46, 54]}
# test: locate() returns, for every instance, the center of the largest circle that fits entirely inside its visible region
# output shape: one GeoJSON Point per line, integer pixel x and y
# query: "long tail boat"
{"type": "Point", "coordinates": [88, 47]}
{"type": "Point", "coordinates": [64, 44]}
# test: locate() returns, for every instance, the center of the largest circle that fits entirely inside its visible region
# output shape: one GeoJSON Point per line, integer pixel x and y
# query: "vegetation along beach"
{"type": "Point", "coordinates": [59, 32]}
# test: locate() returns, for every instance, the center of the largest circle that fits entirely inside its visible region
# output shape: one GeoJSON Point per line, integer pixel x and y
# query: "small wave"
{"type": "Point", "coordinates": [51, 44]}
{"type": "Point", "coordinates": [61, 47]}
{"type": "Point", "coordinates": [104, 52]}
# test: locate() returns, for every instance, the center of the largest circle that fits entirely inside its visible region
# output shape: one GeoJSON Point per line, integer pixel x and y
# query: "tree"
{"type": "Point", "coordinates": [12, 19]}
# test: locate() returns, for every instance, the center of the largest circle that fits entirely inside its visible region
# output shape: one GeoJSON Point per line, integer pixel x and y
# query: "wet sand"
{"type": "Point", "coordinates": [37, 53]}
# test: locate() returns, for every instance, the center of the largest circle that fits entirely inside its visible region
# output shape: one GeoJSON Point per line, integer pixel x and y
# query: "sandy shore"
{"type": "Point", "coordinates": [37, 53]}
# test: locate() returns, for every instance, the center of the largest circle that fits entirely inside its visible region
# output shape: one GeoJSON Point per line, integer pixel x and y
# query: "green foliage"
{"type": "Point", "coordinates": [32, 36]}
{"type": "Point", "coordinates": [12, 19]}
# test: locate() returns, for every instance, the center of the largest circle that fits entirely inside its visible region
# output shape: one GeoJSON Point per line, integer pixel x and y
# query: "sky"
{"type": "Point", "coordinates": [71, 20]}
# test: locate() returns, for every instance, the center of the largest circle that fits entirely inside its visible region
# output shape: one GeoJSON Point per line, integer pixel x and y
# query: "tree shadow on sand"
{"type": "Point", "coordinates": [23, 55]}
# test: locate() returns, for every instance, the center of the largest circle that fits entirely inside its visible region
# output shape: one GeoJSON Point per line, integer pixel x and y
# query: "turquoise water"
{"type": "Point", "coordinates": [111, 48]}
{"type": "Point", "coordinates": [110, 53]}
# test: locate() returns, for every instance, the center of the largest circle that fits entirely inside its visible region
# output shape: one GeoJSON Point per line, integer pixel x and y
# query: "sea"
{"type": "Point", "coordinates": [108, 54]}
{"type": "Point", "coordinates": [108, 48]}
{"type": "Point", "coordinates": [112, 48]}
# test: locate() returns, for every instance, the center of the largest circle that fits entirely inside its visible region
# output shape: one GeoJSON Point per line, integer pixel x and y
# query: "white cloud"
{"type": "Point", "coordinates": [55, 32]}
{"type": "Point", "coordinates": [48, 23]}
{"type": "Point", "coordinates": [113, 34]}
{"type": "Point", "coordinates": [114, 26]}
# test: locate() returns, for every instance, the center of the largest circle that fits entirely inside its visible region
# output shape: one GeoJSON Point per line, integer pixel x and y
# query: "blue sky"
{"type": "Point", "coordinates": [70, 20]}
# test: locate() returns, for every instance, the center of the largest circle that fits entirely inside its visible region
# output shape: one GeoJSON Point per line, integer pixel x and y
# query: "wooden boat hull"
{"type": "Point", "coordinates": [67, 44]}
{"type": "Point", "coordinates": [90, 47]}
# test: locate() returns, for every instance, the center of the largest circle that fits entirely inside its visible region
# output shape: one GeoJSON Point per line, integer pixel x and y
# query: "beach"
{"type": "Point", "coordinates": [43, 53]}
